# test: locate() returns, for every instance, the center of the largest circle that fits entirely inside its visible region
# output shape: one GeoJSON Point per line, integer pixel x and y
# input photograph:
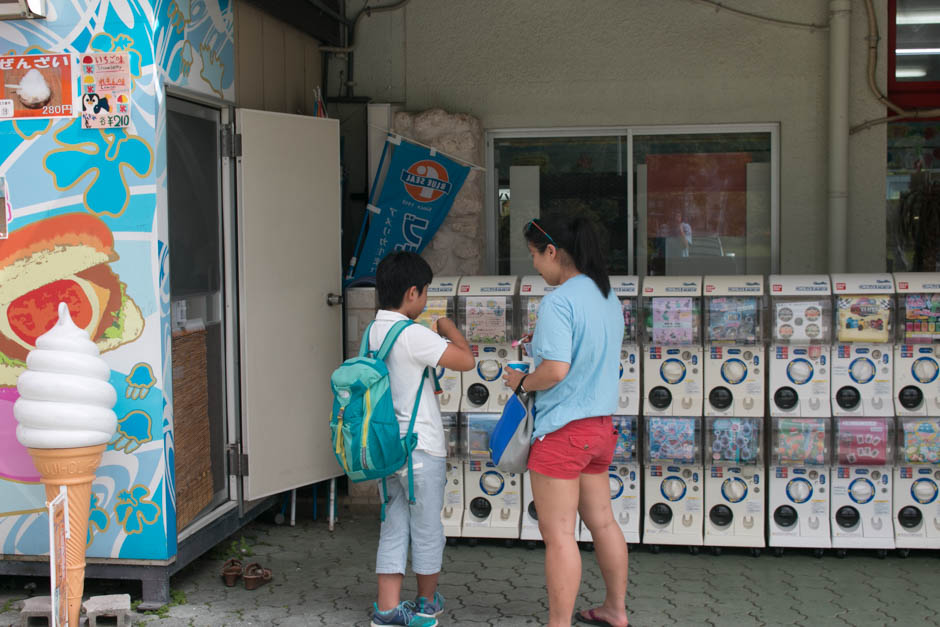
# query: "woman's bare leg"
{"type": "Point", "coordinates": [557, 503]}
{"type": "Point", "coordinates": [609, 544]}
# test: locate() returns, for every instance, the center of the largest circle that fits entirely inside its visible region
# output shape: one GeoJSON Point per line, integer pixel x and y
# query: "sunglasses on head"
{"type": "Point", "coordinates": [534, 223]}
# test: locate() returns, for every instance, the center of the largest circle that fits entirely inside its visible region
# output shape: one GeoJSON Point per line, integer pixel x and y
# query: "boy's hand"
{"type": "Point", "coordinates": [444, 326]}
{"type": "Point", "coordinates": [458, 355]}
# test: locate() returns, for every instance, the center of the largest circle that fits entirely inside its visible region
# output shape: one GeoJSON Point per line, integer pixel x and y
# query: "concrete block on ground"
{"type": "Point", "coordinates": [36, 607]}
{"type": "Point", "coordinates": [116, 606]}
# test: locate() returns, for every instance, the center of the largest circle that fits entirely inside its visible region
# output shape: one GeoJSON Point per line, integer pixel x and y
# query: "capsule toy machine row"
{"type": "Point", "coordinates": [916, 479]}
{"type": "Point", "coordinates": [798, 501]}
{"type": "Point", "coordinates": [917, 347]}
{"type": "Point", "coordinates": [672, 482]}
{"type": "Point", "coordinates": [625, 480]}
{"type": "Point", "coordinates": [862, 480]}
{"type": "Point", "coordinates": [801, 333]}
{"type": "Point", "coordinates": [734, 345]}
{"type": "Point", "coordinates": [532, 289]}
{"type": "Point", "coordinates": [493, 498]}
{"type": "Point", "coordinates": [452, 512]}
{"type": "Point", "coordinates": [863, 355]}
{"type": "Point", "coordinates": [734, 483]}
{"type": "Point", "coordinates": [485, 314]}
{"type": "Point", "coordinates": [626, 288]}
{"type": "Point", "coordinates": [672, 352]}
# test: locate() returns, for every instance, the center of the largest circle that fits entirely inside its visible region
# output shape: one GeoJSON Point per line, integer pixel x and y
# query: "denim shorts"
{"type": "Point", "coordinates": [418, 524]}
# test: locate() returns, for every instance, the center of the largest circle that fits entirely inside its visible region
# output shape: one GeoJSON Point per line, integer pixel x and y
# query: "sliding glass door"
{"type": "Point", "coordinates": [669, 200]}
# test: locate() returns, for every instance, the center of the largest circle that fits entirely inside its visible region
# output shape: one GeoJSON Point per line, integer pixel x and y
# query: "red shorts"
{"type": "Point", "coordinates": [583, 446]}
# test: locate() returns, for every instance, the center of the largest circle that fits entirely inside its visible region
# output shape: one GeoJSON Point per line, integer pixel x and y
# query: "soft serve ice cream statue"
{"type": "Point", "coordinates": [65, 420]}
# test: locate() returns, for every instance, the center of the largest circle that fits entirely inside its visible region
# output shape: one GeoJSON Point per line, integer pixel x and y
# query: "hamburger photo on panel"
{"type": "Point", "coordinates": [61, 259]}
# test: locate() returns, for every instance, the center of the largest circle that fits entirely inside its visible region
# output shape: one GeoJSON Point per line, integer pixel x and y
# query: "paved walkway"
{"type": "Point", "coordinates": [325, 579]}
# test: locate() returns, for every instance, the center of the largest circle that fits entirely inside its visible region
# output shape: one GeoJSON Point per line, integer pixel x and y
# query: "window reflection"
{"type": "Point", "coordinates": [703, 203]}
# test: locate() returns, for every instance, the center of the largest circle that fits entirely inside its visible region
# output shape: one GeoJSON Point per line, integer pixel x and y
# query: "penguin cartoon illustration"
{"type": "Point", "coordinates": [92, 103]}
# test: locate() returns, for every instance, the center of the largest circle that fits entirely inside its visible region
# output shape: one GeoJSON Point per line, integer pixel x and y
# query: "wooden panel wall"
{"type": "Point", "coordinates": [277, 65]}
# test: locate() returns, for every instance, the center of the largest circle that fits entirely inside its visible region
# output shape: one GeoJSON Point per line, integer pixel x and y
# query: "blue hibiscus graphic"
{"type": "Point", "coordinates": [134, 510]}
{"type": "Point", "coordinates": [97, 519]}
{"type": "Point", "coordinates": [103, 159]}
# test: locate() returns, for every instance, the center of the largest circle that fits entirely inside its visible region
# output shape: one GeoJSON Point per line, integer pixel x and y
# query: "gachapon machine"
{"type": "Point", "coordinates": [734, 483]}
{"type": "Point", "coordinates": [452, 513]}
{"type": "Point", "coordinates": [862, 369]}
{"type": "Point", "coordinates": [441, 303]}
{"type": "Point", "coordinates": [801, 334]}
{"type": "Point", "coordinates": [628, 398]}
{"type": "Point", "coordinates": [672, 482]}
{"type": "Point", "coordinates": [861, 484]}
{"type": "Point", "coordinates": [917, 348]}
{"type": "Point", "coordinates": [799, 484]}
{"type": "Point", "coordinates": [485, 315]}
{"type": "Point", "coordinates": [532, 289]}
{"type": "Point", "coordinates": [624, 481]}
{"type": "Point", "coordinates": [493, 498]}
{"type": "Point", "coordinates": [672, 351]}
{"type": "Point", "coordinates": [734, 345]}
{"type": "Point", "coordinates": [916, 477]}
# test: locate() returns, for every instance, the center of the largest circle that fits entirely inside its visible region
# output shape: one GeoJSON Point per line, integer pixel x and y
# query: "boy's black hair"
{"type": "Point", "coordinates": [396, 273]}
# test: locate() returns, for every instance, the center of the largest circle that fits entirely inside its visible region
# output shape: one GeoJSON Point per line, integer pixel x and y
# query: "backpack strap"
{"type": "Point", "coordinates": [391, 336]}
{"type": "Point", "coordinates": [407, 438]}
{"type": "Point", "coordinates": [364, 345]}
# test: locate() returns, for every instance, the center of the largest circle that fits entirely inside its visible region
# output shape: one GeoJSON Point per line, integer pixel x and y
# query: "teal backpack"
{"type": "Point", "coordinates": [366, 439]}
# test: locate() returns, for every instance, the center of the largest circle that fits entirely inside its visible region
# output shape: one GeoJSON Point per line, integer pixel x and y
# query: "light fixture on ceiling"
{"type": "Point", "coordinates": [914, 72]}
{"type": "Point", "coordinates": [917, 51]}
{"type": "Point", "coordinates": [918, 17]}
{"type": "Point", "coordinates": [22, 9]}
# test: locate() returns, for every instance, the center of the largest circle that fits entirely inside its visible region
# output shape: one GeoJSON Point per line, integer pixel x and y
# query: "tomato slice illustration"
{"type": "Point", "coordinates": [34, 313]}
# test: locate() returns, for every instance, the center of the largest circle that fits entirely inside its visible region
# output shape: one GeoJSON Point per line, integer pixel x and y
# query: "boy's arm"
{"type": "Point", "coordinates": [457, 355]}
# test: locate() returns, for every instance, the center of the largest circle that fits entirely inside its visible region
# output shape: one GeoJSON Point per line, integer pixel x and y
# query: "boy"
{"type": "Point", "coordinates": [402, 280]}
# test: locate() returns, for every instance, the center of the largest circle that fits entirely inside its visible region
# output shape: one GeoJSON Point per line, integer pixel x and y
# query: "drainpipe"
{"type": "Point", "coordinates": [840, 13]}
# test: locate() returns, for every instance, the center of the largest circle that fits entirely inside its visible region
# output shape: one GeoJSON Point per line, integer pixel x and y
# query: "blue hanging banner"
{"type": "Point", "coordinates": [413, 191]}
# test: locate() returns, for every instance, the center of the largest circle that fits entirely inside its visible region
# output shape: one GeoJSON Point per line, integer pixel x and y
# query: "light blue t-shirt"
{"type": "Point", "coordinates": [577, 325]}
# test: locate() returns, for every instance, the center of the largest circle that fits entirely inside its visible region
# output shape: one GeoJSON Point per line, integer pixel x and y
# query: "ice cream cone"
{"type": "Point", "coordinates": [65, 422]}
{"type": "Point", "coordinates": [75, 469]}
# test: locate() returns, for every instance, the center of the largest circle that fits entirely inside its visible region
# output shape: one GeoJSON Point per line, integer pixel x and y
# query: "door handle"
{"type": "Point", "coordinates": [334, 299]}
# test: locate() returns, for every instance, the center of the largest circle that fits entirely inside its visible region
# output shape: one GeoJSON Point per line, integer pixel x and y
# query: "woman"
{"type": "Point", "coordinates": [576, 347]}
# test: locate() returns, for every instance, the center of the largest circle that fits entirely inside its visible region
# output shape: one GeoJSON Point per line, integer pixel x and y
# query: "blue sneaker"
{"type": "Point", "coordinates": [431, 608]}
{"type": "Point", "coordinates": [404, 614]}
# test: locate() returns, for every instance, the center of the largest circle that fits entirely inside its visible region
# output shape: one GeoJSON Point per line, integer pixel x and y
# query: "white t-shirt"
{"type": "Point", "coordinates": [416, 348]}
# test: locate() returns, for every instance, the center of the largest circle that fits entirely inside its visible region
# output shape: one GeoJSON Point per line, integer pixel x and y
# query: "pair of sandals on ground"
{"type": "Point", "coordinates": [254, 574]}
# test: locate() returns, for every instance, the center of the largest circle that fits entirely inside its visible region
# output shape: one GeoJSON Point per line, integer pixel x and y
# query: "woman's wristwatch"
{"type": "Point", "coordinates": [521, 387]}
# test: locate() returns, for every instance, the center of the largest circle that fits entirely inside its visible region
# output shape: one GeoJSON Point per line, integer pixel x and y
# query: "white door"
{"type": "Point", "coordinates": [288, 263]}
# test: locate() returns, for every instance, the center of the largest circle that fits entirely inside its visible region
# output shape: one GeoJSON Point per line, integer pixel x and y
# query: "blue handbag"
{"type": "Point", "coordinates": [512, 435]}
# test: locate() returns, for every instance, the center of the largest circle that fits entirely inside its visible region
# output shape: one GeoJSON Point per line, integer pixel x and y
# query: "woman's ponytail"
{"type": "Point", "coordinates": [588, 254]}
{"type": "Point", "coordinates": [579, 238]}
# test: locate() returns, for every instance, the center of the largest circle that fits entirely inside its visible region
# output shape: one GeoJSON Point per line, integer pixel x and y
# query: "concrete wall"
{"type": "Point", "coordinates": [553, 63]}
